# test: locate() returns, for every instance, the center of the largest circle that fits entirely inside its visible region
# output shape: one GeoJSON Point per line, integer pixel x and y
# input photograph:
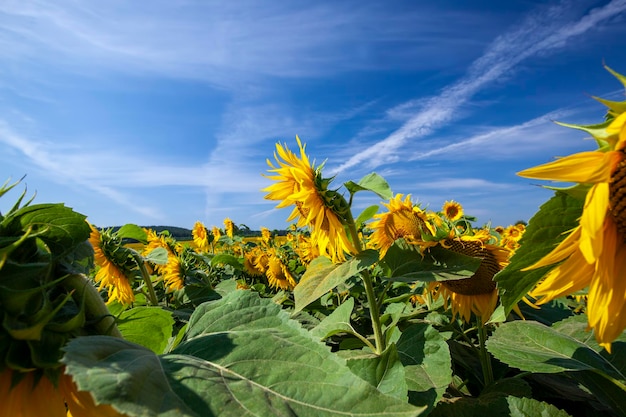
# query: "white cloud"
{"type": "Point", "coordinates": [540, 33]}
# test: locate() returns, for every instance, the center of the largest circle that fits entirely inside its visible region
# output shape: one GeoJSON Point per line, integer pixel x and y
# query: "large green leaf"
{"type": "Point", "coordinates": [336, 322]}
{"type": "Point", "coordinates": [132, 231]}
{"type": "Point", "coordinates": [545, 230]}
{"type": "Point", "coordinates": [243, 357]}
{"type": "Point", "coordinates": [501, 406]}
{"type": "Point", "coordinates": [322, 276]}
{"type": "Point", "coordinates": [371, 182]}
{"type": "Point", "coordinates": [150, 327]}
{"type": "Point", "coordinates": [407, 264]}
{"type": "Point", "coordinates": [534, 347]}
{"type": "Point", "coordinates": [60, 227]}
{"type": "Point", "coordinates": [426, 358]}
{"type": "Point", "coordinates": [384, 371]}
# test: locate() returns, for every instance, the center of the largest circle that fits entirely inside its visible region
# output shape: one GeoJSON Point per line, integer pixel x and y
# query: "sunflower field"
{"type": "Point", "coordinates": [394, 311]}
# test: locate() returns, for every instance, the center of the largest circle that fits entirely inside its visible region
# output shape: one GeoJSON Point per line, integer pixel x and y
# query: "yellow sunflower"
{"type": "Point", "coordinates": [252, 262]}
{"type": "Point", "coordinates": [477, 294]}
{"type": "Point", "coordinates": [452, 210]}
{"type": "Point", "coordinates": [278, 275]}
{"type": "Point", "coordinates": [594, 253]}
{"type": "Point", "coordinates": [229, 227]}
{"type": "Point", "coordinates": [30, 394]}
{"type": "Point", "coordinates": [174, 276]}
{"type": "Point", "coordinates": [109, 275]}
{"type": "Point", "coordinates": [298, 184]}
{"type": "Point", "coordinates": [403, 220]}
{"type": "Point", "coordinates": [266, 235]}
{"type": "Point", "coordinates": [200, 237]}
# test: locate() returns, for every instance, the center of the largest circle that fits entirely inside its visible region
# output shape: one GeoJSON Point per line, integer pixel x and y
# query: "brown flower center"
{"type": "Point", "coordinates": [617, 196]}
{"type": "Point", "coordinates": [482, 280]}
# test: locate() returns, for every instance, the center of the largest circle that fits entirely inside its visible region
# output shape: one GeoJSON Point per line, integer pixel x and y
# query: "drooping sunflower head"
{"type": "Point", "coordinates": [174, 276]}
{"type": "Point", "coordinates": [254, 263]}
{"type": "Point", "coordinates": [452, 210]}
{"type": "Point", "coordinates": [111, 273]}
{"type": "Point", "coordinates": [476, 294]}
{"type": "Point", "coordinates": [402, 220]}
{"type": "Point", "coordinates": [229, 227]}
{"type": "Point", "coordinates": [266, 235]}
{"type": "Point", "coordinates": [200, 236]}
{"type": "Point", "coordinates": [278, 275]}
{"type": "Point", "coordinates": [301, 185]}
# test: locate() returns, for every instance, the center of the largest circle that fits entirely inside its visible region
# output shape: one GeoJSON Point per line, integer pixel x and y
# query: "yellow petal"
{"type": "Point", "coordinates": [583, 167]}
{"type": "Point", "coordinates": [592, 221]}
{"type": "Point", "coordinates": [572, 275]}
{"type": "Point", "coordinates": [566, 248]}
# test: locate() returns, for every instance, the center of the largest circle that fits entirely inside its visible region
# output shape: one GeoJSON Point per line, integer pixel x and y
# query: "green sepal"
{"type": "Point", "coordinates": [597, 131]}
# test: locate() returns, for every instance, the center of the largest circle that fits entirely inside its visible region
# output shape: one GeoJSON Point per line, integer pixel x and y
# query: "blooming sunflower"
{"type": "Point", "coordinates": [200, 237]}
{"type": "Point", "coordinates": [277, 273]}
{"type": "Point", "coordinates": [174, 276]}
{"type": "Point", "coordinates": [109, 275]}
{"type": "Point", "coordinates": [266, 235]}
{"type": "Point", "coordinates": [594, 253]}
{"type": "Point", "coordinates": [452, 210]}
{"type": "Point", "coordinates": [476, 294]}
{"type": "Point", "coordinates": [403, 220]}
{"type": "Point", "coordinates": [30, 394]}
{"type": "Point", "coordinates": [300, 185]}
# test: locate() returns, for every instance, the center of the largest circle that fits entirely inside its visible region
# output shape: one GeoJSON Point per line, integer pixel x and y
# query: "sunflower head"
{"type": "Point", "coordinates": [402, 220]}
{"type": "Point", "coordinates": [201, 236]}
{"type": "Point", "coordinates": [325, 211]}
{"type": "Point", "coordinates": [452, 210]}
{"type": "Point", "coordinates": [277, 273]}
{"type": "Point", "coordinates": [229, 227]}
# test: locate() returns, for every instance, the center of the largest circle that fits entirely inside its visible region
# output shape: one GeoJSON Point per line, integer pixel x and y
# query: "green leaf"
{"type": "Point", "coordinates": [501, 406]}
{"type": "Point", "coordinates": [371, 182]}
{"type": "Point", "coordinates": [150, 327]}
{"type": "Point", "coordinates": [59, 227]}
{"type": "Point", "coordinates": [407, 264]}
{"type": "Point", "coordinates": [132, 231]}
{"type": "Point", "coordinates": [534, 347]}
{"type": "Point", "coordinates": [365, 215]}
{"type": "Point", "coordinates": [243, 356]}
{"type": "Point", "coordinates": [130, 377]}
{"type": "Point", "coordinates": [338, 321]}
{"type": "Point", "coordinates": [427, 362]}
{"type": "Point", "coordinates": [157, 256]}
{"type": "Point", "coordinates": [544, 232]}
{"type": "Point", "coordinates": [322, 276]}
{"type": "Point", "coordinates": [384, 371]}
{"type": "Point", "coordinates": [226, 259]}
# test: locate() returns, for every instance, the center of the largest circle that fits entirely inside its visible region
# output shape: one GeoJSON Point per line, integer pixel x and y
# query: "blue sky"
{"type": "Point", "coordinates": [164, 115]}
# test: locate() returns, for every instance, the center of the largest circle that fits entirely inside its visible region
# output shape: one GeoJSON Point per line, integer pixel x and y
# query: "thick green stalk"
{"type": "Point", "coordinates": [485, 360]}
{"type": "Point", "coordinates": [146, 279]}
{"type": "Point", "coordinates": [379, 338]}
{"type": "Point", "coordinates": [95, 309]}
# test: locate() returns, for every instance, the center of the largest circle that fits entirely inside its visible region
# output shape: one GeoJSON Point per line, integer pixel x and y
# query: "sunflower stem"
{"type": "Point", "coordinates": [95, 308]}
{"type": "Point", "coordinates": [152, 297]}
{"type": "Point", "coordinates": [379, 337]}
{"type": "Point", "coordinates": [485, 360]}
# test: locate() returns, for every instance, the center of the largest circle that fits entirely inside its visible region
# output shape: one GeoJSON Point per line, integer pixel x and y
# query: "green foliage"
{"type": "Point", "coordinates": [545, 230]}
{"type": "Point", "coordinates": [371, 182]}
{"type": "Point", "coordinates": [150, 327]}
{"type": "Point", "coordinates": [245, 353]}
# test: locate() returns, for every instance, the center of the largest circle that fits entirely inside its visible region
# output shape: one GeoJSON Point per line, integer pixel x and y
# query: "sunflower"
{"type": "Point", "coordinates": [253, 262]}
{"type": "Point", "coordinates": [476, 294]}
{"type": "Point", "coordinates": [29, 394]}
{"type": "Point", "coordinates": [277, 273]}
{"type": "Point", "coordinates": [300, 185]}
{"type": "Point", "coordinates": [174, 275]}
{"type": "Point", "coordinates": [200, 237]}
{"type": "Point", "coordinates": [266, 235]}
{"type": "Point", "coordinates": [452, 210]}
{"type": "Point", "coordinates": [109, 275]}
{"type": "Point", "coordinates": [229, 227]}
{"type": "Point", "coordinates": [403, 220]}
{"type": "Point", "coordinates": [594, 253]}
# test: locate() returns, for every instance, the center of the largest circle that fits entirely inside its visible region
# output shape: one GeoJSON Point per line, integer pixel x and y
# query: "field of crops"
{"type": "Point", "coordinates": [393, 311]}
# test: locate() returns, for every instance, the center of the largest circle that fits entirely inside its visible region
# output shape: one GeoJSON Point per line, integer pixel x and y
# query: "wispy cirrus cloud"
{"type": "Point", "coordinates": [541, 32]}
